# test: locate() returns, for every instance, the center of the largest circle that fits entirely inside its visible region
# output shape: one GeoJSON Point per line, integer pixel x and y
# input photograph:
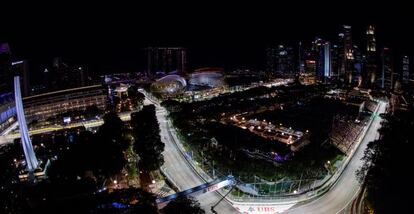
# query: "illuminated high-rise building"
{"type": "Point", "coordinates": [280, 60]}
{"type": "Point", "coordinates": [271, 60]}
{"type": "Point", "coordinates": [301, 61]}
{"type": "Point", "coordinates": [63, 74]}
{"type": "Point", "coordinates": [336, 62]}
{"type": "Point", "coordinates": [324, 60]}
{"type": "Point", "coordinates": [309, 57]}
{"type": "Point", "coordinates": [327, 60]}
{"type": "Point", "coordinates": [7, 106]}
{"type": "Point", "coordinates": [387, 70]}
{"type": "Point", "coordinates": [5, 68]}
{"type": "Point", "coordinates": [405, 70]}
{"type": "Point", "coordinates": [371, 42]}
{"type": "Point", "coordinates": [370, 73]}
{"type": "Point", "coordinates": [346, 54]}
{"type": "Point", "coordinates": [358, 71]}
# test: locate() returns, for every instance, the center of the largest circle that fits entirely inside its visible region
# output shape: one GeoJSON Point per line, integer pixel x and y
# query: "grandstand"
{"type": "Point", "coordinates": [344, 133]}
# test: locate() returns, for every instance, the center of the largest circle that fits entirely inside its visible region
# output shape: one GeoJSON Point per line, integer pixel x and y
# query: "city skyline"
{"type": "Point", "coordinates": [210, 108]}
{"type": "Point", "coordinates": [216, 36]}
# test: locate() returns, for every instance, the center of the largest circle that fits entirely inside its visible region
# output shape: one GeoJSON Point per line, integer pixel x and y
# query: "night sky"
{"type": "Point", "coordinates": [110, 38]}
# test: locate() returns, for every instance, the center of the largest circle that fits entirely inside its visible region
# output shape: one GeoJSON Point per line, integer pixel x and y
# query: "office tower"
{"type": "Point", "coordinates": [369, 76]}
{"type": "Point", "coordinates": [411, 73]}
{"type": "Point", "coordinates": [271, 60]}
{"type": "Point", "coordinates": [63, 75]}
{"type": "Point", "coordinates": [323, 52]}
{"type": "Point", "coordinates": [327, 60]}
{"type": "Point", "coordinates": [346, 54]}
{"type": "Point", "coordinates": [371, 42]}
{"type": "Point", "coordinates": [335, 61]}
{"type": "Point", "coordinates": [301, 61]}
{"type": "Point", "coordinates": [7, 107]}
{"type": "Point", "coordinates": [280, 60]}
{"type": "Point", "coordinates": [405, 68]}
{"type": "Point", "coordinates": [358, 71]}
{"type": "Point", "coordinates": [387, 70]}
{"type": "Point", "coordinates": [310, 55]}
{"type": "Point", "coordinates": [285, 61]}
{"type": "Point", "coordinates": [318, 55]}
{"type": "Point", "coordinates": [5, 68]}
{"type": "Point", "coordinates": [166, 60]}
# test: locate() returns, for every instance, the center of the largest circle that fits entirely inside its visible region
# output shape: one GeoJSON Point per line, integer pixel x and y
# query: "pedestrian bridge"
{"type": "Point", "coordinates": [203, 188]}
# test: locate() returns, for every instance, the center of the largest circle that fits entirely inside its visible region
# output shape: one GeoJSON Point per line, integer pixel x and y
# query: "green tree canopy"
{"type": "Point", "coordinates": [148, 144]}
{"type": "Point", "coordinates": [183, 205]}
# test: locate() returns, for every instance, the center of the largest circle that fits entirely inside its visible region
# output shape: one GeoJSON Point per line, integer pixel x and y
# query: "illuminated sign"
{"type": "Point", "coordinates": [218, 186]}
{"type": "Point", "coordinates": [262, 209]}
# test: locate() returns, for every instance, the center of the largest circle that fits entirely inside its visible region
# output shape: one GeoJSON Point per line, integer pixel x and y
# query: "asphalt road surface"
{"type": "Point", "coordinates": [178, 168]}
{"type": "Point", "coordinates": [347, 187]}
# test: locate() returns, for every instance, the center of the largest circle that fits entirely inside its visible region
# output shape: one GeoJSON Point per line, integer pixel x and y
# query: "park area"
{"type": "Point", "coordinates": [223, 145]}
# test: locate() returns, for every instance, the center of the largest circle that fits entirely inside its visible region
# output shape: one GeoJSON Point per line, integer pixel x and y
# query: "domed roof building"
{"type": "Point", "coordinates": [170, 84]}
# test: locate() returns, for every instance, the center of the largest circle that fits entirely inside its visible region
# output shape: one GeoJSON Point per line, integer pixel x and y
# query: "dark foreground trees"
{"type": "Point", "coordinates": [100, 153]}
{"type": "Point", "coordinates": [387, 163]}
{"type": "Point", "coordinates": [77, 176]}
{"type": "Point", "coordinates": [183, 205]}
{"type": "Point", "coordinates": [148, 144]}
{"type": "Point", "coordinates": [46, 197]}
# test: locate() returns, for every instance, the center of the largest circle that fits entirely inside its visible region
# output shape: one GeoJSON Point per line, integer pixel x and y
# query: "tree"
{"type": "Point", "coordinates": [136, 97]}
{"type": "Point", "coordinates": [385, 165]}
{"type": "Point", "coordinates": [183, 205]}
{"type": "Point", "coordinates": [109, 145]}
{"type": "Point", "coordinates": [172, 105]}
{"type": "Point", "coordinates": [148, 144]}
{"type": "Point", "coordinates": [101, 153]}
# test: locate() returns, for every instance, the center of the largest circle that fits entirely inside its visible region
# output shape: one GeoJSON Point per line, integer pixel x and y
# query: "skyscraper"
{"type": "Point", "coordinates": [387, 70]}
{"type": "Point", "coordinates": [369, 75]}
{"type": "Point", "coordinates": [324, 60]}
{"type": "Point", "coordinates": [358, 71]}
{"type": "Point", "coordinates": [327, 60]}
{"type": "Point", "coordinates": [284, 61]}
{"type": "Point", "coordinates": [280, 60]}
{"type": "Point", "coordinates": [5, 68]}
{"type": "Point", "coordinates": [166, 60]}
{"type": "Point", "coordinates": [301, 61]}
{"type": "Point", "coordinates": [7, 107]}
{"type": "Point", "coordinates": [271, 60]}
{"type": "Point", "coordinates": [63, 75]}
{"type": "Point", "coordinates": [371, 42]}
{"type": "Point", "coordinates": [405, 67]}
{"type": "Point", "coordinates": [346, 54]}
{"type": "Point", "coordinates": [336, 62]}
{"type": "Point", "coordinates": [310, 56]}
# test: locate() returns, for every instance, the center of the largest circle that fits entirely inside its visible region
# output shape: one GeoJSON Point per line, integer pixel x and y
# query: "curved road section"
{"type": "Point", "coordinates": [347, 187]}
{"type": "Point", "coordinates": [181, 173]}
